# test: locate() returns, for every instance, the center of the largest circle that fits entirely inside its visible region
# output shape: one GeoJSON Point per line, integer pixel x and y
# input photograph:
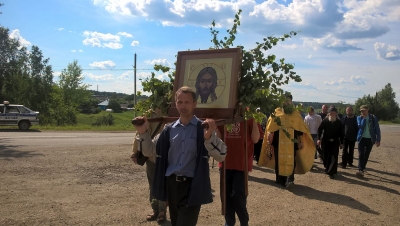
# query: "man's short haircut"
{"type": "Point", "coordinates": [311, 109]}
{"type": "Point", "coordinates": [186, 89]}
{"type": "Point", "coordinates": [364, 107]}
{"type": "Point", "coordinates": [288, 95]}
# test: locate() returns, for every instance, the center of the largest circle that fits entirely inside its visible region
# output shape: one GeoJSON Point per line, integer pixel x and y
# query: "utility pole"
{"type": "Point", "coordinates": [134, 97]}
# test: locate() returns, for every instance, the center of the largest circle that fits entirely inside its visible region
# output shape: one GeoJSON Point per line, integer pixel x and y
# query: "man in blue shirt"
{"type": "Point", "coordinates": [182, 172]}
{"type": "Point", "coordinates": [369, 134]}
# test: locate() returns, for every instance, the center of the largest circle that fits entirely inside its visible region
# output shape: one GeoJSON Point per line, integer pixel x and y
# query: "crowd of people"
{"type": "Point", "coordinates": [178, 154]}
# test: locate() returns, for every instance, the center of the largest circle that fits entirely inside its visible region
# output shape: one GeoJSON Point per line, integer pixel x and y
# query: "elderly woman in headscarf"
{"type": "Point", "coordinates": [332, 131]}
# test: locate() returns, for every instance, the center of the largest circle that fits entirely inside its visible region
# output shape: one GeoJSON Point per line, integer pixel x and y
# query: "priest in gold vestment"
{"type": "Point", "coordinates": [279, 152]}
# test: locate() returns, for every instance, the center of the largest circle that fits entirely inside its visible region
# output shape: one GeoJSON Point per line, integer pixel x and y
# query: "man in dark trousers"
{"type": "Point", "coordinates": [182, 174]}
{"type": "Point", "coordinates": [350, 129]}
{"type": "Point", "coordinates": [331, 129]}
{"type": "Point", "coordinates": [369, 133]}
{"type": "Point", "coordinates": [236, 199]}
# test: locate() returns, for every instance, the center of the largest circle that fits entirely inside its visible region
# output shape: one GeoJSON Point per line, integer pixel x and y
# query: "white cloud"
{"type": "Point", "coordinates": [60, 29]}
{"type": "Point", "coordinates": [97, 39]}
{"type": "Point", "coordinates": [135, 43]}
{"type": "Point", "coordinates": [104, 37]}
{"type": "Point", "coordinates": [56, 73]}
{"type": "Point", "coordinates": [92, 42]}
{"type": "Point", "coordinates": [74, 51]}
{"type": "Point", "coordinates": [157, 61]}
{"type": "Point", "coordinates": [342, 21]}
{"type": "Point", "coordinates": [331, 83]}
{"type": "Point", "coordinates": [125, 75]}
{"type": "Point", "coordinates": [113, 45]}
{"type": "Point", "coordinates": [358, 80]}
{"type": "Point", "coordinates": [105, 77]}
{"type": "Point", "coordinates": [125, 34]}
{"type": "Point", "coordinates": [387, 52]}
{"type": "Point", "coordinates": [14, 34]}
{"type": "Point", "coordinates": [108, 64]}
{"type": "Point", "coordinates": [293, 46]}
{"type": "Point", "coordinates": [355, 80]}
{"type": "Point", "coordinates": [309, 56]}
{"type": "Point", "coordinates": [331, 43]}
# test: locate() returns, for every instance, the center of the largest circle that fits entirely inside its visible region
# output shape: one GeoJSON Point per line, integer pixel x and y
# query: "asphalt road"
{"type": "Point", "coordinates": [37, 138]}
{"type": "Point", "coordinates": [55, 139]}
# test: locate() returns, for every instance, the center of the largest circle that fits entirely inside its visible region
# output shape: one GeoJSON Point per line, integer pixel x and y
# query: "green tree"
{"type": "Point", "coordinates": [71, 83]}
{"type": "Point", "coordinates": [161, 92]}
{"type": "Point", "coordinates": [383, 104]}
{"type": "Point", "coordinates": [114, 105]}
{"type": "Point", "coordinates": [25, 77]}
{"type": "Point", "coordinates": [262, 75]}
{"type": "Point", "coordinates": [60, 112]}
{"type": "Point", "coordinates": [68, 95]}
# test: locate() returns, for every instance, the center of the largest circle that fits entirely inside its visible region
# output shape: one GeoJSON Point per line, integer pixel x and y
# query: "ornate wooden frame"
{"type": "Point", "coordinates": [227, 64]}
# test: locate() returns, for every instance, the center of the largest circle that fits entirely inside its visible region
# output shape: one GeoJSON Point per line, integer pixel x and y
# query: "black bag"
{"type": "Point", "coordinates": [140, 158]}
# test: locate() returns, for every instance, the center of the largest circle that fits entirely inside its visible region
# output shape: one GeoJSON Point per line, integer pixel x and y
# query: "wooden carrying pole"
{"type": "Point", "coordinates": [223, 181]}
{"type": "Point", "coordinates": [246, 162]}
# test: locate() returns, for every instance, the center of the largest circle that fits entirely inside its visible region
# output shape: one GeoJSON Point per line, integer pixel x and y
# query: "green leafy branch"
{"type": "Point", "coordinates": [262, 75]}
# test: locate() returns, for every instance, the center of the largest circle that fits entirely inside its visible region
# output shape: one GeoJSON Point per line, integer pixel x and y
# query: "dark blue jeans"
{"type": "Point", "coordinates": [364, 149]}
{"type": "Point", "coordinates": [236, 198]}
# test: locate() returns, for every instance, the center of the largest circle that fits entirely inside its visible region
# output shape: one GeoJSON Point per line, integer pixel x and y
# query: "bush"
{"type": "Point", "coordinates": [104, 119]}
{"type": "Point", "coordinates": [396, 120]}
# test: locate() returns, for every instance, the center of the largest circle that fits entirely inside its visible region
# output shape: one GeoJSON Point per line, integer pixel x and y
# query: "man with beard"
{"type": "Point", "coordinates": [182, 174]}
{"type": "Point", "coordinates": [289, 157]}
{"type": "Point", "coordinates": [331, 128]}
{"type": "Point", "coordinates": [350, 129]}
{"type": "Point", "coordinates": [206, 82]}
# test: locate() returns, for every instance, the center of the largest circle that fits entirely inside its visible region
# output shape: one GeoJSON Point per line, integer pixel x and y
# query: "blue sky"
{"type": "Point", "coordinates": [346, 48]}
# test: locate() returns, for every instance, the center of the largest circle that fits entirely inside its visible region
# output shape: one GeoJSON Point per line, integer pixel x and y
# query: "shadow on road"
{"type": "Point", "coordinates": [352, 179]}
{"type": "Point", "coordinates": [8, 152]}
{"type": "Point", "coordinates": [20, 131]}
{"type": "Point", "coordinates": [343, 200]}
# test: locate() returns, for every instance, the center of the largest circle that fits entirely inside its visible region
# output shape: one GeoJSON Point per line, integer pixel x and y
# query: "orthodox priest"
{"type": "Point", "coordinates": [330, 137]}
{"type": "Point", "coordinates": [279, 150]}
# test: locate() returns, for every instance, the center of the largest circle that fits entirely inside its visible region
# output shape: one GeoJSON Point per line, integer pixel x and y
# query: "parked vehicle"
{"type": "Point", "coordinates": [17, 115]}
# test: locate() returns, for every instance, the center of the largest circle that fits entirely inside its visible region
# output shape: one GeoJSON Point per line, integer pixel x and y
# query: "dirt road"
{"type": "Point", "coordinates": [71, 180]}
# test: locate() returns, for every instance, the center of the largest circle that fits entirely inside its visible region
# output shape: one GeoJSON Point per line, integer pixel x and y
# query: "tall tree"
{"type": "Point", "coordinates": [25, 76]}
{"type": "Point", "coordinates": [71, 83]}
{"type": "Point", "coordinates": [68, 95]}
{"type": "Point", "coordinates": [383, 104]}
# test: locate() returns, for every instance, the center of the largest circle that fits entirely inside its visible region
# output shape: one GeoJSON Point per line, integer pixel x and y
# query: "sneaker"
{"type": "Point", "coordinates": [351, 165]}
{"type": "Point", "coordinates": [360, 173]}
{"type": "Point", "coordinates": [331, 176]}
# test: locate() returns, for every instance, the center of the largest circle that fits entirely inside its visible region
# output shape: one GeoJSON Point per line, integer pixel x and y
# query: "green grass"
{"type": "Point", "coordinates": [122, 122]}
{"type": "Point", "coordinates": [394, 121]}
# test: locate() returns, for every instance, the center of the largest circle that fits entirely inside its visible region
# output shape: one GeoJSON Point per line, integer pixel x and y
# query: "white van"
{"type": "Point", "coordinates": [17, 115]}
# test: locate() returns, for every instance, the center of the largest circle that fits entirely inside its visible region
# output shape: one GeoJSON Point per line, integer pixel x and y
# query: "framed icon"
{"type": "Point", "coordinates": [214, 75]}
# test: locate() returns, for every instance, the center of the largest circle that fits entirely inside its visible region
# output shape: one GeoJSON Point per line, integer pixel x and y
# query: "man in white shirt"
{"type": "Point", "coordinates": [313, 121]}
